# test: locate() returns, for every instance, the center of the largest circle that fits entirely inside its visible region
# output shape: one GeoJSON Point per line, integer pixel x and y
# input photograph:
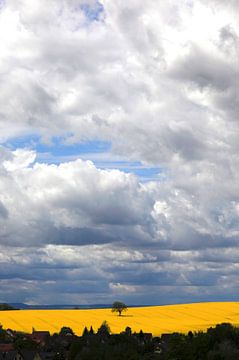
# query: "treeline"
{"type": "Point", "coordinates": [65, 345]}
{"type": "Point", "coordinates": [217, 343]}
{"type": "Point", "coordinates": [105, 346]}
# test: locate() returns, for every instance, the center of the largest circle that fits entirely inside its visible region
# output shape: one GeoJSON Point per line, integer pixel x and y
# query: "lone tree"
{"type": "Point", "coordinates": [119, 307]}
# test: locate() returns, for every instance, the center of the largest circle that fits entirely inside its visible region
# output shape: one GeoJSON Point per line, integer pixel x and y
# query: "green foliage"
{"type": "Point", "coordinates": [91, 332]}
{"type": "Point", "coordinates": [85, 332]}
{"type": "Point", "coordinates": [76, 348]}
{"type": "Point", "coordinates": [3, 333]}
{"type": "Point", "coordinates": [128, 331]}
{"type": "Point", "coordinates": [119, 307]}
{"type": "Point", "coordinates": [104, 329]}
{"type": "Point", "coordinates": [224, 351]}
{"type": "Point", "coordinates": [218, 343]}
{"type": "Point", "coordinates": [117, 347]}
{"type": "Point", "coordinates": [23, 342]}
{"type": "Point", "coordinates": [66, 330]}
{"type": "Point", "coordinates": [224, 331]}
{"type": "Point", "coordinates": [193, 346]}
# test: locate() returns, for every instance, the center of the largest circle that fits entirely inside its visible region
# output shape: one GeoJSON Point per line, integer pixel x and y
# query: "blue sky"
{"type": "Point", "coordinates": [94, 12]}
{"type": "Point", "coordinates": [119, 151]}
{"type": "Point", "coordinates": [99, 152]}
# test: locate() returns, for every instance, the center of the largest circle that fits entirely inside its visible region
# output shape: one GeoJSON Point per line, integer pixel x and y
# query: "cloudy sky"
{"type": "Point", "coordinates": [119, 155]}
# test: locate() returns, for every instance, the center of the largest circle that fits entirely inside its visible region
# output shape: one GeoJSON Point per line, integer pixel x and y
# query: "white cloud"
{"type": "Point", "coordinates": [159, 81]}
{"type": "Point", "coordinates": [46, 203]}
{"type": "Point", "coordinates": [21, 159]}
{"type": "Point", "coordinates": [115, 235]}
{"type": "Point", "coordinates": [121, 289]}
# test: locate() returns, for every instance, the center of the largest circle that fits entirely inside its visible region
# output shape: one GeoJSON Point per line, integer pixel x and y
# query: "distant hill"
{"type": "Point", "coordinates": [5, 306]}
{"type": "Point", "coordinates": [23, 306]}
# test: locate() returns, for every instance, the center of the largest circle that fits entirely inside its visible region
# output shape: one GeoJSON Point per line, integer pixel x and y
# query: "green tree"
{"type": "Point", "coordinates": [65, 330]}
{"type": "Point", "coordinates": [119, 307]}
{"type": "Point", "coordinates": [91, 332]}
{"type": "Point", "coordinates": [104, 329]}
{"type": "Point", "coordinates": [85, 332]}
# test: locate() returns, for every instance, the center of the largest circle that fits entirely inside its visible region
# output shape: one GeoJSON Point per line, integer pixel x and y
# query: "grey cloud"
{"type": "Point", "coordinates": [231, 4]}
{"type": "Point", "coordinates": [205, 70]}
{"type": "Point", "coordinates": [228, 35]}
{"type": "Point", "coordinates": [162, 89]}
{"type": "Point", "coordinates": [77, 204]}
{"type": "Point", "coordinates": [77, 71]}
{"type": "Point", "coordinates": [160, 278]}
{"type": "Point", "coordinates": [95, 207]}
{"type": "Point", "coordinates": [82, 236]}
{"type": "Point", "coordinates": [5, 154]}
{"type": "Point", "coordinates": [173, 280]}
{"type": "Point", "coordinates": [3, 211]}
{"type": "Point", "coordinates": [215, 75]}
{"type": "Point", "coordinates": [186, 144]}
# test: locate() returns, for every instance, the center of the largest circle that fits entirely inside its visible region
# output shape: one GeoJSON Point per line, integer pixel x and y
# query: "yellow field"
{"type": "Point", "coordinates": [154, 319]}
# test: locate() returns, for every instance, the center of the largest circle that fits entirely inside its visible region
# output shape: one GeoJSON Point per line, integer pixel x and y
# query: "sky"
{"type": "Point", "coordinates": [119, 151]}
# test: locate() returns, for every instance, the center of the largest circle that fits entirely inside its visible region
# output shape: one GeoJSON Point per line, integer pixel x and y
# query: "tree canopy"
{"type": "Point", "coordinates": [65, 330]}
{"type": "Point", "coordinates": [104, 329]}
{"type": "Point", "coordinates": [119, 307]}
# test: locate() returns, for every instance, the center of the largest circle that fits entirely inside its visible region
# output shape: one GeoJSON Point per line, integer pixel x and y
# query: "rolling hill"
{"type": "Point", "coordinates": [154, 319]}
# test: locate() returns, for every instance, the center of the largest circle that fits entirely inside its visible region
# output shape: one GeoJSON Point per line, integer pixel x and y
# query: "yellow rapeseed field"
{"type": "Point", "coordinates": [154, 319]}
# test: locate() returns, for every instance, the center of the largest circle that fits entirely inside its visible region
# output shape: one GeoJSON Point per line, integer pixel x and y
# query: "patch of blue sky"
{"type": "Point", "coordinates": [57, 148]}
{"type": "Point", "coordinates": [99, 152]}
{"type": "Point", "coordinates": [27, 141]}
{"type": "Point", "coordinates": [92, 12]}
{"type": "Point", "coordinates": [143, 172]}
{"type": "Point", "coordinates": [2, 3]}
{"type": "Point", "coordinates": [60, 150]}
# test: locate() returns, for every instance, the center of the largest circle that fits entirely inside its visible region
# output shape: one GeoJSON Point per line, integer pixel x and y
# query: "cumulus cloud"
{"type": "Point", "coordinates": [159, 82]}
{"type": "Point", "coordinates": [70, 203]}
{"type": "Point", "coordinates": [60, 79]}
{"type": "Point", "coordinates": [108, 232]}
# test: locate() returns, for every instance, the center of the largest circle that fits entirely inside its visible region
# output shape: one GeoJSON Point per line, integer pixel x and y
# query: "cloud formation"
{"type": "Point", "coordinates": [159, 82]}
